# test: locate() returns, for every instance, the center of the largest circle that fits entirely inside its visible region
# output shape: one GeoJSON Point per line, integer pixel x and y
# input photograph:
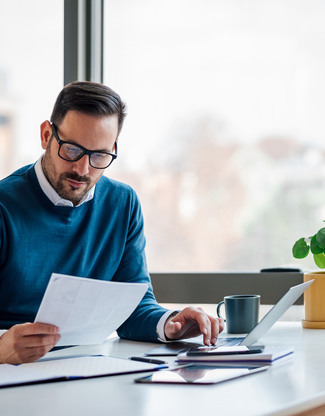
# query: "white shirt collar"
{"type": "Point", "coordinates": [50, 192]}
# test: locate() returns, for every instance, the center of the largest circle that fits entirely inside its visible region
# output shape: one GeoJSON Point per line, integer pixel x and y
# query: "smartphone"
{"type": "Point", "coordinates": [201, 374]}
{"type": "Point", "coordinates": [236, 349]}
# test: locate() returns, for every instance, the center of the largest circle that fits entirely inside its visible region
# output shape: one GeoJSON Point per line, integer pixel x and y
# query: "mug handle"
{"type": "Point", "coordinates": [218, 310]}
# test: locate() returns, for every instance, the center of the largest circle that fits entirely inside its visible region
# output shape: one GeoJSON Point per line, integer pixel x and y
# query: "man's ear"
{"type": "Point", "coordinates": [46, 133]}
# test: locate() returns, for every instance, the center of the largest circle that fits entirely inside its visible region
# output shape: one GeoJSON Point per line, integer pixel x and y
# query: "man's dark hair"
{"type": "Point", "coordinates": [88, 98]}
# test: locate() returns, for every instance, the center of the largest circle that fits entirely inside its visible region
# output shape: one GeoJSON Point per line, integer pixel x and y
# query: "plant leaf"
{"type": "Point", "coordinates": [300, 249]}
{"type": "Point", "coordinates": [320, 260]}
{"type": "Point", "coordinates": [320, 238]}
{"type": "Point", "coordinates": [314, 247]}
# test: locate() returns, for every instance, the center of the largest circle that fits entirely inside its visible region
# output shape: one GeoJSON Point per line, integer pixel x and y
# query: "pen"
{"type": "Point", "coordinates": [147, 360]}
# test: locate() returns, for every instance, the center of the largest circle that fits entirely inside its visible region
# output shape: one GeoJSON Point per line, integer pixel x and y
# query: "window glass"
{"type": "Point", "coordinates": [224, 139]}
{"type": "Point", "coordinates": [31, 76]}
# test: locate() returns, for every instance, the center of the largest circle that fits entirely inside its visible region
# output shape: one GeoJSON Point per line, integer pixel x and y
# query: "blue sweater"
{"type": "Point", "coordinates": [101, 239]}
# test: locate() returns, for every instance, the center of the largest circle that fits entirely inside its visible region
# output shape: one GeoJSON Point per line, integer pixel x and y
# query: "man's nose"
{"type": "Point", "coordinates": [81, 166]}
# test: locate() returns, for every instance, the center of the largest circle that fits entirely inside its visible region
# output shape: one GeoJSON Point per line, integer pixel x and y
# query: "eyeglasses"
{"type": "Point", "coordinates": [72, 152]}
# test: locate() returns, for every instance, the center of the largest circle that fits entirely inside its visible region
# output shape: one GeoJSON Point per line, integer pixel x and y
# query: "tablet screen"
{"type": "Point", "coordinates": [200, 374]}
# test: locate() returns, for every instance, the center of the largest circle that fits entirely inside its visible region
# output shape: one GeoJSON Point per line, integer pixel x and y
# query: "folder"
{"type": "Point", "coordinates": [70, 369]}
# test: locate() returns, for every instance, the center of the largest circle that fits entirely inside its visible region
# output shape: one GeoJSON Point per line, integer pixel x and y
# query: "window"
{"type": "Point", "coordinates": [31, 76]}
{"type": "Point", "coordinates": [224, 139]}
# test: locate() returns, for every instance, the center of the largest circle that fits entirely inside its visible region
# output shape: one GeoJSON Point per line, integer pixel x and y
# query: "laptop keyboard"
{"type": "Point", "coordinates": [177, 347]}
{"type": "Point", "coordinates": [228, 342]}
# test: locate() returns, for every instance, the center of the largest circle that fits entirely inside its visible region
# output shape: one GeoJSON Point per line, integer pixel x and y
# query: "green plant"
{"type": "Point", "coordinates": [315, 245]}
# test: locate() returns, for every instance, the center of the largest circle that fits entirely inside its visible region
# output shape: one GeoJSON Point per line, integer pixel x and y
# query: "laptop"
{"type": "Point", "coordinates": [270, 318]}
{"type": "Point", "coordinates": [252, 337]}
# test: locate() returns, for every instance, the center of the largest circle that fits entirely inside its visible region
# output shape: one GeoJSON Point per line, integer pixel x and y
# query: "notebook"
{"type": "Point", "coordinates": [257, 332]}
{"type": "Point", "coordinates": [268, 356]}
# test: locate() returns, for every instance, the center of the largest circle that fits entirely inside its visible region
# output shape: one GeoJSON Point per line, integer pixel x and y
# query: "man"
{"type": "Point", "coordinates": [61, 215]}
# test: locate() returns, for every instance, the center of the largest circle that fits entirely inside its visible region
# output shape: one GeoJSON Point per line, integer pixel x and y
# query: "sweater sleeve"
{"type": "Point", "coordinates": [3, 245]}
{"type": "Point", "coordinates": [142, 324]}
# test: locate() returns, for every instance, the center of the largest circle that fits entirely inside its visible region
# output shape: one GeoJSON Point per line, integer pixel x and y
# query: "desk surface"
{"type": "Point", "coordinates": [285, 389]}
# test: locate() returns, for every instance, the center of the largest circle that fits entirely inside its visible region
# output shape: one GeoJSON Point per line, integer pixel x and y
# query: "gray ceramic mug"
{"type": "Point", "coordinates": [241, 312]}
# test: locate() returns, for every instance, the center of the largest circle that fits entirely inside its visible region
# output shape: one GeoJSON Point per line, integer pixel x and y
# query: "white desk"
{"type": "Point", "coordinates": [287, 389]}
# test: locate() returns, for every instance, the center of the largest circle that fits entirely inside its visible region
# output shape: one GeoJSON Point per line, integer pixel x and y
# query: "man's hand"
{"type": "Point", "coordinates": [27, 342]}
{"type": "Point", "coordinates": [191, 322]}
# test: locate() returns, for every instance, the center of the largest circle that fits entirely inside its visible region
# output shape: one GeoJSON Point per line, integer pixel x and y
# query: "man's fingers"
{"type": "Point", "coordinates": [32, 341]}
{"type": "Point", "coordinates": [34, 353]}
{"type": "Point", "coordinates": [27, 342]}
{"type": "Point", "coordinates": [193, 321]}
{"type": "Point", "coordinates": [204, 323]}
{"type": "Point", "coordinates": [175, 327]}
{"type": "Point", "coordinates": [216, 327]}
{"type": "Point", "coordinates": [35, 328]}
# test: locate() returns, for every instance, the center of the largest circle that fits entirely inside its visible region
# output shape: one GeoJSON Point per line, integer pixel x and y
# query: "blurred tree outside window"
{"type": "Point", "coordinates": [224, 138]}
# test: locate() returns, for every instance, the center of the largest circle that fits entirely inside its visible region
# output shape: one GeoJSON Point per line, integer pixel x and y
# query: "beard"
{"type": "Point", "coordinates": [69, 192]}
{"type": "Point", "coordinates": [60, 184]}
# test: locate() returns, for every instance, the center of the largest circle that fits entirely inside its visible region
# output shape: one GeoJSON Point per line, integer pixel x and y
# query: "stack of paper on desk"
{"type": "Point", "coordinates": [70, 368]}
{"type": "Point", "coordinates": [269, 355]}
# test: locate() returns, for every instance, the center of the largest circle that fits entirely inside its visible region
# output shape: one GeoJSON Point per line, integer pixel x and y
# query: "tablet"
{"type": "Point", "coordinates": [200, 374]}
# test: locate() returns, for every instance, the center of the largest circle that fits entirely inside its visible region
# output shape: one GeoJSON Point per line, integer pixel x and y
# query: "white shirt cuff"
{"type": "Point", "coordinates": [161, 325]}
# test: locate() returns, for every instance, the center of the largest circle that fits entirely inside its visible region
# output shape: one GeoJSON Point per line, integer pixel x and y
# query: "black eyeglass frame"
{"type": "Point", "coordinates": [84, 150]}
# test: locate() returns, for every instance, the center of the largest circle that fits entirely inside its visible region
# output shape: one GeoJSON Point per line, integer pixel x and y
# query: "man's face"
{"type": "Point", "coordinates": [72, 180]}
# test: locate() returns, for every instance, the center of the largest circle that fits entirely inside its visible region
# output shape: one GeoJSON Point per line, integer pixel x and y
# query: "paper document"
{"type": "Point", "coordinates": [87, 311]}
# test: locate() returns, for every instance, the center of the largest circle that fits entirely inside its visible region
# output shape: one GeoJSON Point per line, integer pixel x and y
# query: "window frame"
{"type": "Point", "coordinates": [83, 40]}
{"type": "Point", "coordinates": [211, 288]}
